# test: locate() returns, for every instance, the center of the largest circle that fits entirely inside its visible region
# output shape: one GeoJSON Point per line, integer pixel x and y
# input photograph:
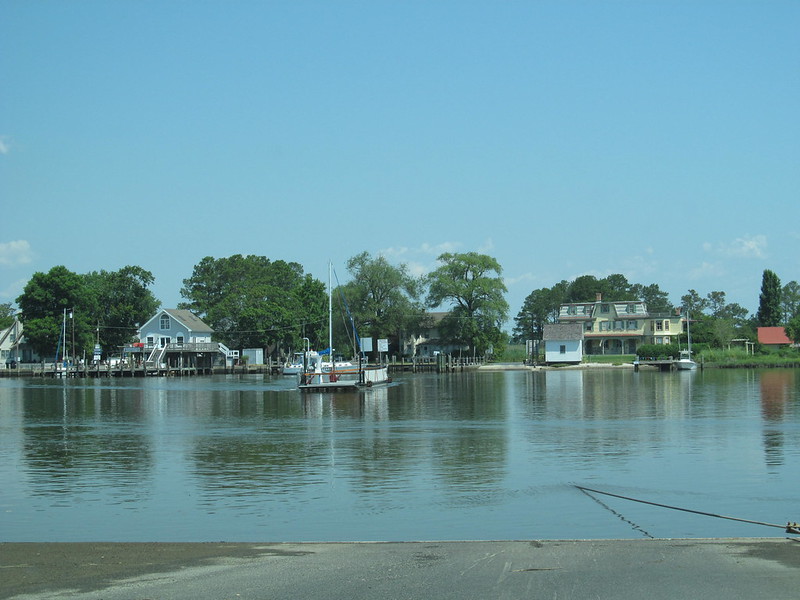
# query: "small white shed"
{"type": "Point", "coordinates": [563, 342]}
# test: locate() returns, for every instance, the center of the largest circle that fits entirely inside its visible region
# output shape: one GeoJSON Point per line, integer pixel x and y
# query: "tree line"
{"type": "Point", "coordinates": [254, 302]}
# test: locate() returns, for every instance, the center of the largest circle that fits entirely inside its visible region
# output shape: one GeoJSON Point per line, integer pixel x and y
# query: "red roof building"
{"type": "Point", "coordinates": [773, 336]}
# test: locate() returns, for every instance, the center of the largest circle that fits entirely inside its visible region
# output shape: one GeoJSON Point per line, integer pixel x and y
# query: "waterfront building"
{"type": "Point", "coordinates": [620, 327]}
{"type": "Point", "coordinates": [14, 350]}
{"type": "Point", "coordinates": [563, 342]}
{"type": "Point", "coordinates": [774, 337]}
{"type": "Point", "coordinates": [176, 338]}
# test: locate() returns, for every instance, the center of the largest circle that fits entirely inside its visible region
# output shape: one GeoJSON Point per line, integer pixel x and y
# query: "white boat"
{"type": "Point", "coordinates": [320, 376]}
{"type": "Point", "coordinates": [294, 366]}
{"type": "Point", "coordinates": [685, 362]}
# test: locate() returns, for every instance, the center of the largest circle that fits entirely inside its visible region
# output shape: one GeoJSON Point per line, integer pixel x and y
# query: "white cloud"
{"type": "Point", "coordinates": [5, 146]}
{"type": "Point", "coordinates": [487, 246]}
{"type": "Point", "coordinates": [749, 246]}
{"type": "Point", "coordinates": [13, 290]}
{"type": "Point", "coordinates": [523, 278]}
{"type": "Point", "coordinates": [15, 253]}
{"type": "Point", "coordinates": [706, 269]}
{"type": "Point", "coordinates": [422, 259]}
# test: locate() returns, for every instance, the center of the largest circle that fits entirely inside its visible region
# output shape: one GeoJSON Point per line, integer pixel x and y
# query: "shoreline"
{"type": "Point", "coordinates": [624, 569]}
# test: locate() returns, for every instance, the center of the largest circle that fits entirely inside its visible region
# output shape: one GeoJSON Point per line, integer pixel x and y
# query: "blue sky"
{"type": "Point", "coordinates": [660, 140]}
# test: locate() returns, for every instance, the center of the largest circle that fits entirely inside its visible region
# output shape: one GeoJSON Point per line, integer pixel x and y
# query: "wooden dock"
{"type": "Point", "coordinates": [427, 364]}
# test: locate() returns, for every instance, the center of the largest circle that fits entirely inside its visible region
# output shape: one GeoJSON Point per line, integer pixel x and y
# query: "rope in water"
{"type": "Point", "coordinates": [789, 527]}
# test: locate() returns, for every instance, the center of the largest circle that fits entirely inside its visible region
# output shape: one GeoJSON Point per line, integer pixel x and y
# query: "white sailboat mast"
{"type": "Point", "coordinates": [330, 313]}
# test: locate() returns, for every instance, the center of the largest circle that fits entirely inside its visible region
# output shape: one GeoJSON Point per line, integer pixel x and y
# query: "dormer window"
{"type": "Point", "coordinates": [164, 321]}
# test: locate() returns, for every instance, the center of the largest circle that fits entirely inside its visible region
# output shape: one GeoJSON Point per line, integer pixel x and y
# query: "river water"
{"type": "Point", "coordinates": [485, 455]}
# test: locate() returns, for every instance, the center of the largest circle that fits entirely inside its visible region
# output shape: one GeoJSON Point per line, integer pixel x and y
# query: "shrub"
{"type": "Point", "coordinates": [658, 351]}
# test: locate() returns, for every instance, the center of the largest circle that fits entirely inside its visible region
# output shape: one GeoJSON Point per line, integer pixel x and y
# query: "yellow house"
{"type": "Point", "coordinates": [620, 327]}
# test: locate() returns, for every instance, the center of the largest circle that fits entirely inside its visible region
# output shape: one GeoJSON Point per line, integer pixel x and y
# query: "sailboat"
{"type": "Point", "coordinates": [685, 362]}
{"type": "Point", "coordinates": [320, 376]}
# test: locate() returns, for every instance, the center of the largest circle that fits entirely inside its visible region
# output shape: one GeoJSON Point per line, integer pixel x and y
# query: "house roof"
{"type": "Point", "coordinates": [185, 317]}
{"type": "Point", "coordinates": [562, 331]}
{"type": "Point", "coordinates": [189, 319]}
{"type": "Point", "coordinates": [773, 335]}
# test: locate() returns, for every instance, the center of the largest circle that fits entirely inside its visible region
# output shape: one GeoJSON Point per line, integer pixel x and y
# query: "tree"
{"type": "Point", "coordinates": [124, 303]}
{"type": "Point", "coordinates": [657, 300]}
{"type": "Point", "coordinates": [466, 281]}
{"type": "Point", "coordinates": [583, 289]}
{"type": "Point", "coordinates": [769, 301]}
{"type": "Point", "coordinates": [6, 315]}
{"type": "Point", "coordinates": [384, 299]}
{"type": "Point", "coordinates": [790, 300]}
{"type": "Point", "coordinates": [540, 307]}
{"type": "Point", "coordinates": [252, 302]}
{"type": "Point", "coordinates": [45, 302]}
{"type": "Point", "coordinates": [693, 303]}
{"type": "Point", "coordinates": [793, 329]}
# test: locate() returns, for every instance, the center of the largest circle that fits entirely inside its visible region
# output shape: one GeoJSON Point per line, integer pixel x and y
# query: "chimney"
{"type": "Point", "coordinates": [599, 297]}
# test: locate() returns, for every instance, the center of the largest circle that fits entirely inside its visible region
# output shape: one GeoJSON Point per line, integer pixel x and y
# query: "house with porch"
{"type": "Point", "coordinates": [620, 327]}
{"type": "Point", "coordinates": [176, 338]}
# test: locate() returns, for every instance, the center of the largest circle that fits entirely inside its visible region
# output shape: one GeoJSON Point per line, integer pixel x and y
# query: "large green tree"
{"type": "Point", "coordinates": [383, 299]}
{"type": "Point", "coordinates": [540, 307]}
{"type": "Point", "coordinates": [656, 299]}
{"type": "Point", "coordinates": [790, 300]}
{"type": "Point", "coordinates": [472, 284]}
{"type": "Point", "coordinates": [124, 303]}
{"type": "Point", "coordinates": [253, 302]}
{"type": "Point", "coordinates": [769, 301]}
{"type": "Point", "coordinates": [47, 302]}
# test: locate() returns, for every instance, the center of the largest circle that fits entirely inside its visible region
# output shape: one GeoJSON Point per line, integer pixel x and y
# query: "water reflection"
{"type": "Point", "coordinates": [472, 455]}
{"type": "Point", "coordinates": [778, 395]}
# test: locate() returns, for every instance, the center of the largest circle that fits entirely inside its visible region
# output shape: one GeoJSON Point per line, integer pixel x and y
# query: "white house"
{"type": "Point", "coordinates": [174, 326]}
{"type": "Point", "coordinates": [13, 348]}
{"type": "Point", "coordinates": [178, 338]}
{"type": "Point", "coordinates": [563, 342]}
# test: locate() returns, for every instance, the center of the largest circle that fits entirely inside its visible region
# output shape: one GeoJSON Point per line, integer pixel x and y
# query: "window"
{"type": "Point", "coordinates": [588, 326]}
{"type": "Point", "coordinates": [632, 325]}
{"type": "Point", "coordinates": [150, 340]}
{"type": "Point", "coordinates": [179, 340]}
{"type": "Point", "coordinates": [572, 310]}
{"type": "Point", "coordinates": [604, 308]}
{"type": "Point", "coordinates": [165, 321]}
{"type": "Point", "coordinates": [659, 326]}
{"type": "Point", "coordinates": [666, 325]}
{"type": "Point", "coordinates": [631, 308]}
{"type": "Point", "coordinates": [562, 349]}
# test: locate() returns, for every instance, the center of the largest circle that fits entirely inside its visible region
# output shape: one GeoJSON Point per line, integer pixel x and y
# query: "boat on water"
{"type": "Point", "coordinates": [685, 362]}
{"type": "Point", "coordinates": [318, 375]}
{"type": "Point", "coordinates": [293, 366]}
{"type": "Point", "coordinates": [321, 376]}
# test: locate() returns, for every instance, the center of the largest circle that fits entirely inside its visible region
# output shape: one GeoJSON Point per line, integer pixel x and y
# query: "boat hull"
{"type": "Point", "coordinates": [346, 379]}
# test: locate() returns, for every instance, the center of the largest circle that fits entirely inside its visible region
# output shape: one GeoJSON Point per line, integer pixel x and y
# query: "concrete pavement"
{"type": "Point", "coordinates": [598, 569]}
